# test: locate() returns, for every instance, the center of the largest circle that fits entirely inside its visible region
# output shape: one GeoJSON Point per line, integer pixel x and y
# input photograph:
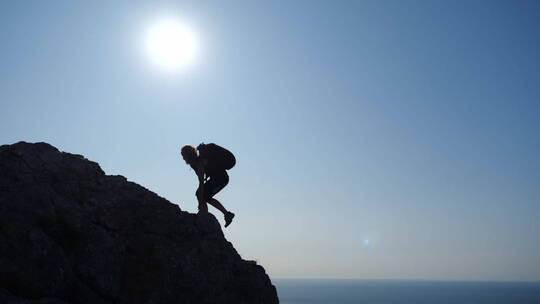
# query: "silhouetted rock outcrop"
{"type": "Point", "coordinates": [71, 234]}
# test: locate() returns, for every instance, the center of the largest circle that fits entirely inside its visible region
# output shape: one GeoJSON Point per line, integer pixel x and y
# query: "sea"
{"type": "Point", "coordinates": [319, 291]}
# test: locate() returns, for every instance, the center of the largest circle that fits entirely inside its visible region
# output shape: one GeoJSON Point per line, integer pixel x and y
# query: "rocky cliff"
{"type": "Point", "coordinates": [71, 234]}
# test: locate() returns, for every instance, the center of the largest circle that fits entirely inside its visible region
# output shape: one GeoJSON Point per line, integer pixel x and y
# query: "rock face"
{"type": "Point", "coordinates": [71, 234]}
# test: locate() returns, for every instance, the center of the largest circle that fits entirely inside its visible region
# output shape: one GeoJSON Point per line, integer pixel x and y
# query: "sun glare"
{"type": "Point", "coordinates": [171, 45]}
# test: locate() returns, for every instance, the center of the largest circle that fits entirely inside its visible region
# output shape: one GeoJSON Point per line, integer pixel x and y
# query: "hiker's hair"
{"type": "Point", "coordinates": [188, 153]}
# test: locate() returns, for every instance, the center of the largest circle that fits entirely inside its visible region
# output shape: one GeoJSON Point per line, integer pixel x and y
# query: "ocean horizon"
{"type": "Point", "coordinates": [328, 291]}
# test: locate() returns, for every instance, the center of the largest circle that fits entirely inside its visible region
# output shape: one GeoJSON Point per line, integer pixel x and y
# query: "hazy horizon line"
{"type": "Point", "coordinates": [412, 280]}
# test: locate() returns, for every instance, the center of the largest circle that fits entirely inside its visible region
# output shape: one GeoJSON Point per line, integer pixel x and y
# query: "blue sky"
{"type": "Point", "coordinates": [411, 124]}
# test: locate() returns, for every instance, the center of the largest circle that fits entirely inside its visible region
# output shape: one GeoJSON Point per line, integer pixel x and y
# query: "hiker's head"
{"type": "Point", "coordinates": [189, 153]}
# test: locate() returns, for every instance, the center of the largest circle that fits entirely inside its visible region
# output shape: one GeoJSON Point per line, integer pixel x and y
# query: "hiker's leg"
{"type": "Point", "coordinates": [214, 202]}
{"type": "Point", "coordinates": [202, 202]}
{"type": "Point", "coordinates": [217, 182]}
{"type": "Point", "coordinates": [203, 206]}
{"type": "Point", "coordinates": [228, 215]}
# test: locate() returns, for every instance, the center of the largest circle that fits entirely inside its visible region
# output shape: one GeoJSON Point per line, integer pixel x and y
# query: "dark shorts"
{"type": "Point", "coordinates": [216, 182]}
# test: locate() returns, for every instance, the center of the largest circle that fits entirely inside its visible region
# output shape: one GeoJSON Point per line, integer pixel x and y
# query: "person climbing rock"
{"type": "Point", "coordinates": [210, 163]}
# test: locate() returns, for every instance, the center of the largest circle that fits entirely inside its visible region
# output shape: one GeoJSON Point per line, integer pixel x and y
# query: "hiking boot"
{"type": "Point", "coordinates": [228, 218]}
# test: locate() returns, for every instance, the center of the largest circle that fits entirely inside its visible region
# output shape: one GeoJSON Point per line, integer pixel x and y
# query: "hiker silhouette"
{"type": "Point", "coordinates": [210, 163]}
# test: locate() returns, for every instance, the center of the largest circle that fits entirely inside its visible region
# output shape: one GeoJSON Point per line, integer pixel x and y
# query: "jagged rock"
{"type": "Point", "coordinates": [71, 234]}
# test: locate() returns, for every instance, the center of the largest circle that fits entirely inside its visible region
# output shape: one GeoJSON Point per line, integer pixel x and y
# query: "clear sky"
{"type": "Point", "coordinates": [375, 139]}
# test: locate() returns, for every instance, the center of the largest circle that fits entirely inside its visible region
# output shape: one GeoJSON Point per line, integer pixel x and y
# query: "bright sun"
{"type": "Point", "coordinates": [170, 44]}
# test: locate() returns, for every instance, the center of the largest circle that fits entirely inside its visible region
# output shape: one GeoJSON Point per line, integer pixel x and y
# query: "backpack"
{"type": "Point", "coordinates": [218, 157]}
